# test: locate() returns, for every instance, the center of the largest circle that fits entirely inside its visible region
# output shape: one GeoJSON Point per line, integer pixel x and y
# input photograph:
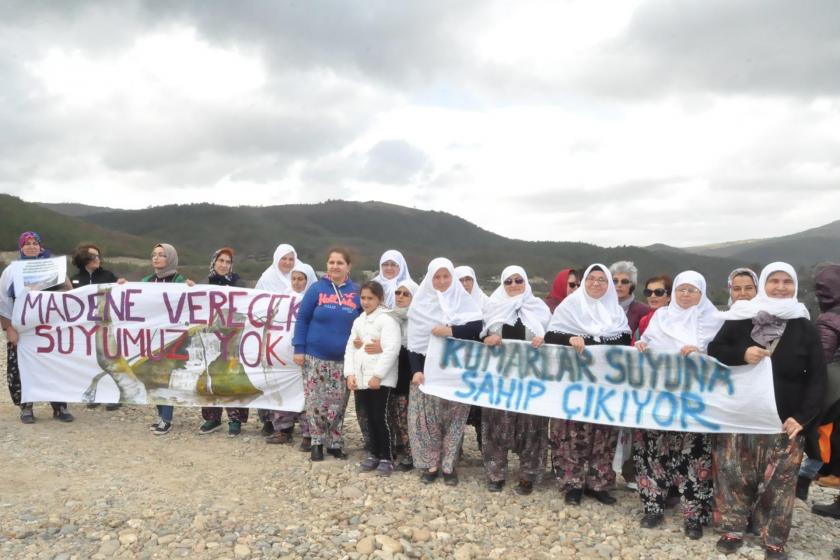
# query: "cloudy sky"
{"type": "Point", "coordinates": [624, 122]}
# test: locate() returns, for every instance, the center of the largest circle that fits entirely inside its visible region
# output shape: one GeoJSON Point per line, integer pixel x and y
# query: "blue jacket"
{"type": "Point", "coordinates": [325, 317]}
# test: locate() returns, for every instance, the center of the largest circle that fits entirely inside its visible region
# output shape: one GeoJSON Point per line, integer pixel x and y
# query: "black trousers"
{"type": "Point", "coordinates": [375, 404]}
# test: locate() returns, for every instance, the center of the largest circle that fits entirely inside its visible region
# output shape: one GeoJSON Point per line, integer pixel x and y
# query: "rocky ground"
{"type": "Point", "coordinates": [104, 487]}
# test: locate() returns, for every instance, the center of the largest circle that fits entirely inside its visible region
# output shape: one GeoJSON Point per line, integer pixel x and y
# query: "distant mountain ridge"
{"type": "Point", "coordinates": [369, 228]}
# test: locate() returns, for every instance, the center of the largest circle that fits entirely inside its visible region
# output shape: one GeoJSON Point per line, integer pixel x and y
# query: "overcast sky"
{"type": "Point", "coordinates": [683, 122]}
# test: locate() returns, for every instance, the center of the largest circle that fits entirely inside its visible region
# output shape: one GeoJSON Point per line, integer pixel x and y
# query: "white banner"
{"type": "Point", "coordinates": [615, 385]}
{"type": "Point", "coordinates": [170, 344]}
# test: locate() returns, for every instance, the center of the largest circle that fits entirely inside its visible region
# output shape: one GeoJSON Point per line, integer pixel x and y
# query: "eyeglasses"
{"type": "Point", "coordinates": [574, 285]}
{"type": "Point", "coordinates": [94, 257]}
{"type": "Point", "coordinates": [510, 281]}
{"type": "Point", "coordinates": [658, 292]}
{"type": "Point", "coordinates": [688, 291]}
{"type": "Point", "coordinates": [402, 293]}
{"type": "Point", "coordinates": [593, 280]}
{"type": "Point", "coordinates": [623, 281]}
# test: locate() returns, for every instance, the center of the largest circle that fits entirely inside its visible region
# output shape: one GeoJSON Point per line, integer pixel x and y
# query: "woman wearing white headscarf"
{"type": "Point", "coordinates": [513, 313]}
{"type": "Point", "coordinates": [398, 404]}
{"type": "Point", "coordinates": [582, 453]}
{"type": "Point", "coordinates": [276, 278]}
{"type": "Point", "coordinates": [466, 275]}
{"type": "Point", "coordinates": [282, 421]}
{"type": "Point", "coordinates": [679, 459]}
{"type": "Point", "coordinates": [441, 307]}
{"type": "Point", "coordinates": [392, 270]}
{"type": "Point", "coordinates": [757, 473]}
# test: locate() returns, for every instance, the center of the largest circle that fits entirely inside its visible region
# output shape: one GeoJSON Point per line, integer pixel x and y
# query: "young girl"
{"type": "Point", "coordinates": [373, 376]}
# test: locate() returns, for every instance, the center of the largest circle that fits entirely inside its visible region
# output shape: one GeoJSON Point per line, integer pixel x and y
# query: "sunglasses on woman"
{"type": "Point", "coordinates": [574, 285]}
{"type": "Point", "coordinates": [402, 293]}
{"type": "Point", "coordinates": [658, 292]}
{"type": "Point", "coordinates": [622, 281]}
{"type": "Point", "coordinates": [510, 281]}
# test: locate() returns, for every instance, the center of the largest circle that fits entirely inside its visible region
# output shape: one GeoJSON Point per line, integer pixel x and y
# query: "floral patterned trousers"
{"type": "Point", "coordinates": [436, 430]}
{"type": "Point", "coordinates": [582, 454]}
{"type": "Point", "coordinates": [524, 434]}
{"type": "Point", "coordinates": [326, 397]}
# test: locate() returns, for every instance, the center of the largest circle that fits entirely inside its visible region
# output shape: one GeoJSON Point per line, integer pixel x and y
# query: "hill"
{"type": "Point", "coordinates": [369, 228]}
{"type": "Point", "coordinates": [73, 209]}
{"type": "Point", "coordinates": [61, 233]}
{"type": "Point", "coordinates": [803, 249]}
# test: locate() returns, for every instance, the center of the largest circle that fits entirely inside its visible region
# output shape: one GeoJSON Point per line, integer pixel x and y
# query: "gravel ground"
{"type": "Point", "coordinates": [104, 487]}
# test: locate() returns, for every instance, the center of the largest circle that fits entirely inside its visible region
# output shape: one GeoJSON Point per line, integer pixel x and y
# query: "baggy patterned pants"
{"type": "Point", "coordinates": [214, 413]}
{"type": "Point", "coordinates": [13, 378]}
{"type": "Point", "coordinates": [582, 454]}
{"type": "Point", "coordinates": [326, 396]}
{"type": "Point", "coordinates": [436, 430]}
{"type": "Point", "coordinates": [679, 459]}
{"type": "Point", "coordinates": [398, 408]}
{"type": "Point", "coordinates": [756, 475]}
{"type": "Point", "coordinates": [524, 434]}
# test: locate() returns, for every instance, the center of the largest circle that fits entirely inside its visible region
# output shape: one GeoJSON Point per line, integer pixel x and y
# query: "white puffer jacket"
{"type": "Point", "coordinates": [368, 327]}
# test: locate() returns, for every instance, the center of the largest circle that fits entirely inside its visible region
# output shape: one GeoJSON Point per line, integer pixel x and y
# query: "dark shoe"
{"type": "Point", "coordinates": [751, 528]}
{"type": "Point", "coordinates": [835, 553]}
{"type": "Point", "coordinates": [337, 453]}
{"type": "Point", "coordinates": [279, 437]}
{"type": "Point", "coordinates": [62, 415]}
{"type": "Point", "coordinates": [601, 495]}
{"type": "Point", "coordinates": [429, 477]}
{"type": "Point", "coordinates": [385, 468]}
{"type": "Point", "coordinates": [450, 479]}
{"type": "Point", "coordinates": [234, 428]}
{"type": "Point", "coordinates": [306, 444]}
{"type": "Point", "coordinates": [495, 485]}
{"type": "Point", "coordinates": [91, 406]}
{"type": "Point", "coordinates": [693, 530]}
{"type": "Point", "coordinates": [113, 406]}
{"type": "Point", "coordinates": [828, 510]}
{"type": "Point", "coordinates": [728, 544]}
{"type": "Point", "coordinates": [775, 553]}
{"type": "Point", "coordinates": [651, 520]}
{"type": "Point", "coordinates": [317, 453]}
{"type": "Point", "coordinates": [369, 463]}
{"type": "Point", "coordinates": [209, 427]}
{"type": "Point", "coordinates": [162, 428]}
{"type": "Point", "coordinates": [574, 496]}
{"type": "Point", "coordinates": [672, 500]}
{"type": "Point", "coordinates": [267, 429]}
{"type": "Point", "coordinates": [405, 467]}
{"type": "Point", "coordinates": [27, 416]}
{"type": "Point", "coordinates": [524, 487]}
{"type": "Point", "coordinates": [803, 483]}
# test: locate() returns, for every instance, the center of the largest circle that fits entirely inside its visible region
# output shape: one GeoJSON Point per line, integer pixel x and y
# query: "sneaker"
{"type": "Point", "coordinates": [385, 468]}
{"type": "Point", "coordinates": [162, 428]}
{"type": "Point", "coordinates": [153, 426]}
{"type": "Point", "coordinates": [234, 428]}
{"type": "Point", "coordinates": [62, 415]}
{"type": "Point", "coordinates": [369, 463]}
{"type": "Point", "coordinates": [27, 416]}
{"type": "Point", "coordinates": [209, 427]}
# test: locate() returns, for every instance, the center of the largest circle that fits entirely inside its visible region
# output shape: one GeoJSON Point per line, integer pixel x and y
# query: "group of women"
{"type": "Point", "coordinates": [372, 340]}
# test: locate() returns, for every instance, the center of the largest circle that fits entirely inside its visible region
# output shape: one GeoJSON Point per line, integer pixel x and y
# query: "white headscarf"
{"type": "Point", "coordinates": [306, 269]}
{"type": "Point", "coordinates": [502, 308]}
{"type": "Point", "coordinates": [272, 279]}
{"type": "Point", "coordinates": [389, 285]}
{"type": "Point", "coordinates": [785, 309]}
{"type": "Point", "coordinates": [401, 313]}
{"type": "Point", "coordinates": [580, 314]}
{"type": "Point", "coordinates": [477, 293]}
{"type": "Point", "coordinates": [732, 276]}
{"type": "Point", "coordinates": [674, 327]}
{"type": "Point", "coordinates": [430, 308]}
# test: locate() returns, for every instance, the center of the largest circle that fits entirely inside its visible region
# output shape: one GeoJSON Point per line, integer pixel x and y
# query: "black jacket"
{"type": "Point", "coordinates": [98, 276]}
{"type": "Point", "coordinates": [799, 375]}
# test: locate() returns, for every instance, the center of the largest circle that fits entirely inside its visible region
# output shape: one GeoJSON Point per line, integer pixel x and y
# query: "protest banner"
{"type": "Point", "coordinates": [615, 385]}
{"type": "Point", "coordinates": [142, 343]}
{"type": "Point", "coordinates": [38, 274]}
